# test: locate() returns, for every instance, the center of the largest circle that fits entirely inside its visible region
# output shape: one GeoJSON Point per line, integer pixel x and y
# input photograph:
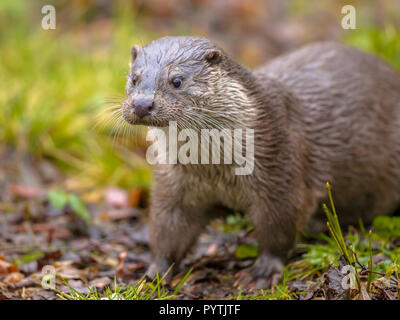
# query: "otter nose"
{"type": "Point", "coordinates": [142, 106]}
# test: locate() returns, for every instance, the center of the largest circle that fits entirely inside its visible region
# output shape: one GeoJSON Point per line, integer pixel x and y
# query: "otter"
{"type": "Point", "coordinates": [325, 112]}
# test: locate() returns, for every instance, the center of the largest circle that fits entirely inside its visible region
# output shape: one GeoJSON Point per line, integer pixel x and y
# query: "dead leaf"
{"type": "Point", "coordinates": [132, 267]}
{"type": "Point", "coordinates": [119, 271]}
{"type": "Point", "coordinates": [116, 197]}
{"type": "Point", "coordinates": [212, 250]}
{"type": "Point", "coordinates": [363, 294]}
{"type": "Point", "coordinates": [66, 270]}
{"type": "Point", "coordinates": [136, 197]}
{"type": "Point", "coordinates": [79, 286]}
{"type": "Point", "coordinates": [14, 277]}
{"type": "Point", "coordinates": [33, 280]}
{"type": "Point", "coordinates": [333, 285]}
{"type": "Point", "coordinates": [310, 288]}
{"type": "Point", "coordinates": [6, 268]}
{"type": "Point", "coordinates": [8, 295]}
{"type": "Point", "coordinates": [26, 192]}
{"type": "Point", "coordinates": [100, 283]}
{"type": "Point", "coordinates": [119, 214]}
{"type": "Point", "coordinates": [93, 196]}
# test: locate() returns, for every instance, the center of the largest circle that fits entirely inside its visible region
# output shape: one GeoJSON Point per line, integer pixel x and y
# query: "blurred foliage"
{"type": "Point", "coordinates": [388, 226]}
{"type": "Point", "coordinates": [235, 223]}
{"type": "Point", "coordinates": [54, 86]}
{"type": "Point", "coordinates": [56, 82]}
{"type": "Point", "coordinates": [60, 199]}
{"type": "Point", "coordinates": [246, 251]}
{"type": "Point", "coordinates": [384, 42]}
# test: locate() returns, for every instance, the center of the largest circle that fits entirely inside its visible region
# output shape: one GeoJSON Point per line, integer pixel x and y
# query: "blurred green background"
{"type": "Point", "coordinates": [56, 83]}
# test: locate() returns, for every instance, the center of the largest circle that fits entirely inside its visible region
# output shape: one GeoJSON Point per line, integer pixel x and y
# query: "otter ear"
{"type": "Point", "coordinates": [134, 52]}
{"type": "Point", "coordinates": [213, 56]}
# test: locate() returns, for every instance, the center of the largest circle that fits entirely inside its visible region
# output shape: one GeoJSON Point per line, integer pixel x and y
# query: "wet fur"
{"type": "Point", "coordinates": [326, 112]}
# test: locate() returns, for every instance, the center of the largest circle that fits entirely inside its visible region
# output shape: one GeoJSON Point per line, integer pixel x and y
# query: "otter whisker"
{"type": "Point", "coordinates": [228, 116]}
{"type": "Point", "coordinates": [104, 122]}
{"type": "Point", "coordinates": [207, 119]}
{"type": "Point", "coordinates": [118, 126]}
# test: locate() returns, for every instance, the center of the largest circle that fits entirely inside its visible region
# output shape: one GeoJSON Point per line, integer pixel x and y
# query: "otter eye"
{"type": "Point", "coordinates": [134, 80]}
{"type": "Point", "coordinates": [176, 82]}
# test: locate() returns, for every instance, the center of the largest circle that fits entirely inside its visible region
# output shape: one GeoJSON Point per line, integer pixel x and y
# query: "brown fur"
{"type": "Point", "coordinates": [326, 112]}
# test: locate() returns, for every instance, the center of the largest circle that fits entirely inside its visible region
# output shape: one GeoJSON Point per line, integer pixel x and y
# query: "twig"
{"type": "Point", "coordinates": [383, 290]}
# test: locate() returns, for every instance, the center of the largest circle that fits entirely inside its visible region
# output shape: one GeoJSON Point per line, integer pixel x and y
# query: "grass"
{"type": "Point", "coordinates": [142, 290]}
{"type": "Point", "coordinates": [280, 292]}
{"type": "Point", "coordinates": [357, 247]}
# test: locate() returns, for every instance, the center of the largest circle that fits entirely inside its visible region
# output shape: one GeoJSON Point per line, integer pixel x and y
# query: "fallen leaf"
{"type": "Point", "coordinates": [26, 192]}
{"type": "Point", "coordinates": [6, 268]}
{"type": "Point", "coordinates": [8, 295]}
{"type": "Point", "coordinates": [79, 286]}
{"type": "Point", "coordinates": [100, 283]}
{"type": "Point", "coordinates": [27, 282]}
{"type": "Point", "coordinates": [137, 196]}
{"type": "Point", "coordinates": [333, 285]}
{"type": "Point", "coordinates": [119, 271]}
{"type": "Point", "coordinates": [212, 250]}
{"type": "Point", "coordinates": [14, 277]}
{"type": "Point", "coordinates": [116, 197]}
{"type": "Point", "coordinates": [363, 294]}
{"type": "Point", "coordinates": [66, 270]}
{"type": "Point", "coordinates": [135, 266]}
{"type": "Point", "coordinates": [119, 214]}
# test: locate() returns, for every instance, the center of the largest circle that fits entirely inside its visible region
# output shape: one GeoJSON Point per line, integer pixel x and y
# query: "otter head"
{"type": "Point", "coordinates": [169, 80]}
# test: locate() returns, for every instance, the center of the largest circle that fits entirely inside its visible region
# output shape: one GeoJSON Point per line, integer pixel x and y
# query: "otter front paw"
{"type": "Point", "coordinates": [266, 272]}
{"type": "Point", "coordinates": [161, 267]}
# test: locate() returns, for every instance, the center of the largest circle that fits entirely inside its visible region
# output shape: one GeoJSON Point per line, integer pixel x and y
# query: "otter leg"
{"type": "Point", "coordinates": [172, 232]}
{"type": "Point", "coordinates": [275, 232]}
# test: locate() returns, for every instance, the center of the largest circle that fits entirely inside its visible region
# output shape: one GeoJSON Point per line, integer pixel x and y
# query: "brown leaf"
{"type": "Point", "coordinates": [136, 197]}
{"type": "Point", "coordinates": [100, 283]}
{"type": "Point", "coordinates": [212, 250]}
{"type": "Point", "coordinates": [132, 267]}
{"type": "Point", "coordinates": [6, 268]}
{"type": "Point", "coordinates": [8, 295]}
{"type": "Point", "coordinates": [79, 286]}
{"type": "Point", "coordinates": [119, 214]}
{"type": "Point", "coordinates": [66, 270]}
{"type": "Point", "coordinates": [26, 192]}
{"type": "Point", "coordinates": [27, 282]}
{"type": "Point", "coordinates": [333, 285]}
{"type": "Point", "coordinates": [310, 288]}
{"type": "Point", "coordinates": [14, 277]}
{"type": "Point", "coordinates": [363, 294]}
{"type": "Point", "coordinates": [119, 271]}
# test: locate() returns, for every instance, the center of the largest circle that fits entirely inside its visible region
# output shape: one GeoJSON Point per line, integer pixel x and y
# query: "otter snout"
{"type": "Point", "coordinates": [142, 105]}
{"type": "Point", "coordinates": [136, 107]}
